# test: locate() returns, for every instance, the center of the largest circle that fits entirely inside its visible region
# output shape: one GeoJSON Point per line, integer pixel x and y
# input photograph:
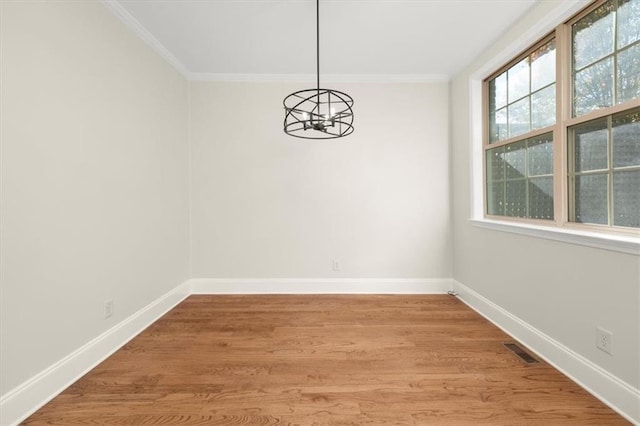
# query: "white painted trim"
{"type": "Point", "coordinates": [22, 401]}
{"type": "Point", "coordinates": [563, 11]}
{"type": "Point", "coordinates": [320, 286]}
{"type": "Point", "coordinates": [134, 25]}
{"type": "Point", "coordinates": [607, 241]}
{"type": "Point", "coordinates": [612, 242]}
{"type": "Point", "coordinates": [559, 14]}
{"type": "Point", "coordinates": [617, 394]}
{"type": "Point", "coordinates": [328, 78]}
{"type": "Point", "coordinates": [19, 403]}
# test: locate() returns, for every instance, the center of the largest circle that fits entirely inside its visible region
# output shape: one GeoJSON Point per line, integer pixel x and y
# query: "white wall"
{"type": "Point", "coordinates": [95, 195]}
{"type": "Point", "coordinates": [561, 289]}
{"type": "Point", "coordinates": [267, 205]}
{"type": "Point", "coordinates": [94, 179]}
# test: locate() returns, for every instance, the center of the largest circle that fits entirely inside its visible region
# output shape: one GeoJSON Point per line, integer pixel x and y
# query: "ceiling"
{"type": "Point", "coordinates": [436, 38]}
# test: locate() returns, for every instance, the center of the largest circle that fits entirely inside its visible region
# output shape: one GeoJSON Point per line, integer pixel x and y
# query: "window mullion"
{"type": "Point", "coordinates": [504, 185]}
{"type": "Point", "coordinates": [615, 58]}
{"type": "Point", "coordinates": [595, 120]}
{"type": "Point", "coordinates": [563, 112]}
{"type": "Point", "coordinates": [610, 170]}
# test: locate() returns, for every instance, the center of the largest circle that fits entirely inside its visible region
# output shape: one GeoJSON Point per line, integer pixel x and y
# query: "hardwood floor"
{"type": "Point", "coordinates": [342, 360]}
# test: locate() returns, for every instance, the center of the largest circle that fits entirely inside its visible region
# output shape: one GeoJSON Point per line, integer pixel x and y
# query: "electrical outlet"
{"type": "Point", "coordinates": [604, 340]}
{"type": "Point", "coordinates": [108, 308]}
{"type": "Point", "coordinates": [335, 265]}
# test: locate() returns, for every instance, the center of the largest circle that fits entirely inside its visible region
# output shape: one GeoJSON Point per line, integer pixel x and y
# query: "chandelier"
{"type": "Point", "coordinates": [318, 113]}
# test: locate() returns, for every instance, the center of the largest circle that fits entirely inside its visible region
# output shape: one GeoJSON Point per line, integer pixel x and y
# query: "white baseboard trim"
{"type": "Point", "coordinates": [617, 394]}
{"type": "Point", "coordinates": [22, 401]}
{"type": "Point", "coordinates": [320, 286]}
{"type": "Point", "coordinates": [19, 403]}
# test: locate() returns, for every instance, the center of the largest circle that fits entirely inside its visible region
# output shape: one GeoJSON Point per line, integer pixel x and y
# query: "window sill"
{"type": "Point", "coordinates": [619, 243]}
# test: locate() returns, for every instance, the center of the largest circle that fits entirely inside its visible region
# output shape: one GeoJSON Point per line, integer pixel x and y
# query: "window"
{"type": "Point", "coordinates": [565, 151]}
{"type": "Point", "coordinates": [520, 178]}
{"type": "Point", "coordinates": [523, 98]}
{"type": "Point", "coordinates": [606, 56]}
{"type": "Point", "coordinates": [604, 171]}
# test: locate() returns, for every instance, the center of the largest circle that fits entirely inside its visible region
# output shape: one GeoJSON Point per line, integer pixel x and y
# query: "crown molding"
{"type": "Point", "coordinates": [328, 78]}
{"type": "Point", "coordinates": [134, 25]}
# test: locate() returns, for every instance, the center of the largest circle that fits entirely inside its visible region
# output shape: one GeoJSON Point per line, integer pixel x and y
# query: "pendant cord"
{"type": "Point", "coordinates": [318, 47]}
{"type": "Point", "coordinates": [326, 119]}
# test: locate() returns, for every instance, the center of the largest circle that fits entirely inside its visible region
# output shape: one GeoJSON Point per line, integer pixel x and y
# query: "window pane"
{"type": "Point", "coordinates": [495, 198]}
{"type": "Point", "coordinates": [590, 141]}
{"type": "Point", "coordinates": [626, 199]}
{"type": "Point", "coordinates": [516, 198]}
{"type": "Point", "coordinates": [543, 66]}
{"type": "Point", "coordinates": [540, 153]}
{"type": "Point", "coordinates": [628, 84]}
{"type": "Point", "coordinates": [498, 129]}
{"type": "Point", "coordinates": [628, 22]}
{"type": "Point", "coordinates": [593, 87]}
{"type": "Point", "coordinates": [511, 191]}
{"type": "Point", "coordinates": [514, 157]}
{"type": "Point", "coordinates": [591, 199]}
{"type": "Point", "coordinates": [519, 80]}
{"type": "Point", "coordinates": [495, 164]}
{"type": "Point", "coordinates": [510, 95]}
{"type": "Point", "coordinates": [498, 92]}
{"type": "Point", "coordinates": [593, 36]}
{"type": "Point", "coordinates": [543, 107]}
{"type": "Point", "coordinates": [541, 198]}
{"type": "Point", "coordinates": [495, 181]}
{"type": "Point", "coordinates": [626, 140]}
{"type": "Point", "coordinates": [519, 118]}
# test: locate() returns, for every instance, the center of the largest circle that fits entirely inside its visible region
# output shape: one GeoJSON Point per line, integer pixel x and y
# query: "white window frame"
{"type": "Point", "coordinates": [627, 242]}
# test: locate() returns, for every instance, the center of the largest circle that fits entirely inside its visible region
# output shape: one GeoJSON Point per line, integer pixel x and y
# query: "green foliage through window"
{"type": "Point", "coordinates": [606, 56]}
{"type": "Point", "coordinates": [599, 124]}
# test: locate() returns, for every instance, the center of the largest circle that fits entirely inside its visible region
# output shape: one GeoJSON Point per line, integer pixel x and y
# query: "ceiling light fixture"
{"type": "Point", "coordinates": [318, 113]}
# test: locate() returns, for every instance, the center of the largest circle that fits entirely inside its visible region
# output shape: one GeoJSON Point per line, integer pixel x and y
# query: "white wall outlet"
{"type": "Point", "coordinates": [604, 340]}
{"type": "Point", "coordinates": [335, 265]}
{"type": "Point", "coordinates": [108, 308]}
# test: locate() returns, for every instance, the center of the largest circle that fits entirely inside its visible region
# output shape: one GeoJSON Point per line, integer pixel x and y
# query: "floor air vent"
{"type": "Point", "coordinates": [513, 347]}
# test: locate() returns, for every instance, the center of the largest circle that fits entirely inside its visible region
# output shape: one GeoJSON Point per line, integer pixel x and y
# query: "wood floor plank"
{"type": "Point", "coordinates": [322, 360]}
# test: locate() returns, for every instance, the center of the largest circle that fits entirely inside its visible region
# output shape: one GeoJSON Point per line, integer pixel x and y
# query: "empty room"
{"type": "Point", "coordinates": [320, 212]}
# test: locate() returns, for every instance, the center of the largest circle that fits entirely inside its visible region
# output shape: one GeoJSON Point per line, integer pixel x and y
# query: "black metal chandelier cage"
{"type": "Point", "coordinates": [318, 113]}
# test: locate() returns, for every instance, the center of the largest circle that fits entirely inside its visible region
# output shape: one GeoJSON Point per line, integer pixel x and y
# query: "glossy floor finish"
{"type": "Point", "coordinates": [315, 359]}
